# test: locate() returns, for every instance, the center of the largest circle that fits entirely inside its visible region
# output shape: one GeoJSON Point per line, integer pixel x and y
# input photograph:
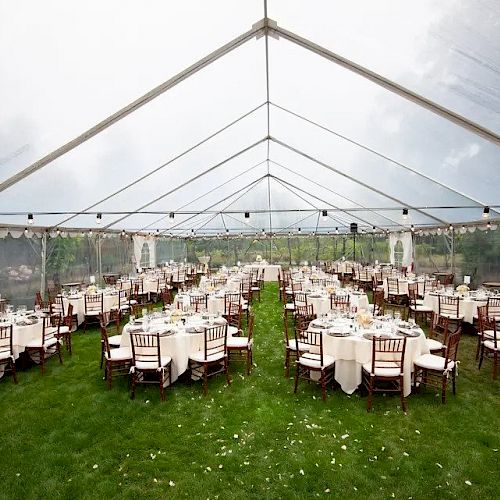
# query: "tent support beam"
{"type": "Point", "coordinates": [138, 103]}
{"type": "Point", "coordinates": [379, 154]}
{"type": "Point", "coordinates": [361, 183]}
{"type": "Point", "coordinates": [43, 258]}
{"type": "Point", "coordinates": [361, 207]}
{"type": "Point", "coordinates": [387, 84]}
{"type": "Point", "coordinates": [190, 180]}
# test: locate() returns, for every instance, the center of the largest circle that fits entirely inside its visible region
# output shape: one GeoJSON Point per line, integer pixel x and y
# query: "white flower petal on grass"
{"type": "Point", "coordinates": [468, 483]}
{"type": "Point", "coordinates": [417, 431]}
{"type": "Point", "coordinates": [220, 466]}
{"type": "Point", "coordinates": [439, 465]}
{"type": "Point", "coordinates": [235, 436]}
{"type": "Point", "coordinates": [155, 480]}
{"type": "Point", "coordinates": [405, 454]}
{"type": "Point", "coordinates": [171, 483]}
{"type": "Point", "coordinates": [18, 474]}
{"type": "Point", "coordinates": [301, 471]}
{"type": "Point", "coordinates": [95, 466]}
{"type": "Point", "coordinates": [343, 447]}
{"type": "Point", "coordinates": [327, 490]}
{"type": "Point", "coordinates": [344, 436]}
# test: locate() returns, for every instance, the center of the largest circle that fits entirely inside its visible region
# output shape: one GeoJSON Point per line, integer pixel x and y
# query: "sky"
{"type": "Point", "coordinates": [339, 142]}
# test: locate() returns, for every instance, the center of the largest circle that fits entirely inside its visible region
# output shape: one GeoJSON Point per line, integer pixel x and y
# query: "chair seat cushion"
{"type": "Point", "coordinates": [292, 345]}
{"type": "Point", "coordinates": [124, 307]}
{"type": "Point", "coordinates": [312, 360]}
{"type": "Point", "coordinates": [92, 313]}
{"type": "Point", "coordinates": [290, 307]}
{"type": "Point", "coordinates": [199, 356]}
{"type": "Point", "coordinates": [5, 354]}
{"type": "Point", "coordinates": [133, 302]}
{"type": "Point", "coordinates": [119, 354]}
{"type": "Point", "coordinates": [153, 365]}
{"type": "Point", "coordinates": [63, 330]}
{"type": "Point", "coordinates": [421, 309]}
{"type": "Point", "coordinates": [453, 317]}
{"type": "Point", "coordinates": [115, 340]}
{"type": "Point", "coordinates": [434, 345]}
{"type": "Point", "coordinates": [390, 370]}
{"type": "Point", "coordinates": [239, 342]}
{"type": "Point", "coordinates": [489, 334]}
{"type": "Point", "coordinates": [433, 362]}
{"type": "Point", "coordinates": [490, 344]}
{"type": "Point", "coordinates": [49, 343]}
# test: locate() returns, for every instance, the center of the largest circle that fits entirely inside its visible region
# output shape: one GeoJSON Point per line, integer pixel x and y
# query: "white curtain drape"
{"type": "Point", "coordinates": [138, 244]}
{"type": "Point", "coordinates": [407, 242]}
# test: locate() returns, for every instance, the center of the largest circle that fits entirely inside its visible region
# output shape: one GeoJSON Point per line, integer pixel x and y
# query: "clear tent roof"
{"type": "Point", "coordinates": [272, 126]}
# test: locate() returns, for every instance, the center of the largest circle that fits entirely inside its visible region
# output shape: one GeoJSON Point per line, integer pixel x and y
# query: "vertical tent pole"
{"type": "Point", "coordinates": [43, 256]}
{"type": "Point", "coordinates": [99, 260]}
{"type": "Point", "coordinates": [452, 251]}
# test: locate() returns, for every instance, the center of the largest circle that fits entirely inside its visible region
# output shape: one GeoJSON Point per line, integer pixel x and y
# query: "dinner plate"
{"type": "Point", "coordinates": [409, 332]}
{"type": "Point", "coordinates": [370, 335]}
{"type": "Point", "coordinates": [338, 333]}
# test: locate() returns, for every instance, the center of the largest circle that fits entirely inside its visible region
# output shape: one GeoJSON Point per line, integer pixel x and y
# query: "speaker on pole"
{"type": "Point", "coordinates": [354, 228]}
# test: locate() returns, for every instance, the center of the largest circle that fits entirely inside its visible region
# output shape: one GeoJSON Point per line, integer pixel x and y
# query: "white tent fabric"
{"type": "Point", "coordinates": [406, 240]}
{"type": "Point", "coordinates": [273, 127]}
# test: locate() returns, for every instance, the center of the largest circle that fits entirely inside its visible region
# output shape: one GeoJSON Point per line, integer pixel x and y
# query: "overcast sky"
{"type": "Point", "coordinates": [65, 68]}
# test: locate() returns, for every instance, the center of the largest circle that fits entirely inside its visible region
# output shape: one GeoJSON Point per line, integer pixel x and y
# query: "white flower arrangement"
{"type": "Point", "coordinates": [92, 290]}
{"type": "Point", "coordinates": [258, 258]}
{"type": "Point", "coordinates": [462, 289]}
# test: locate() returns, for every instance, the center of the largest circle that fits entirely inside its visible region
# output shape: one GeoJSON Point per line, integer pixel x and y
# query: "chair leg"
{"type": "Point", "coordinates": [296, 378]}
{"type": "Point", "coordinates": [132, 393]}
{"type": "Point", "coordinates": [226, 371]}
{"type": "Point", "coordinates": [481, 356]}
{"type": "Point", "coordinates": [13, 368]}
{"type": "Point", "coordinates": [249, 354]}
{"type": "Point", "coordinates": [495, 363]}
{"type": "Point", "coordinates": [478, 347]}
{"type": "Point", "coordinates": [205, 379]}
{"type": "Point", "coordinates": [443, 390]}
{"type": "Point", "coordinates": [59, 353]}
{"type": "Point", "coordinates": [370, 396]}
{"type": "Point", "coordinates": [162, 388]}
{"type": "Point", "coordinates": [403, 400]}
{"type": "Point", "coordinates": [287, 362]}
{"type": "Point", "coordinates": [109, 374]}
{"type": "Point", "coordinates": [42, 360]}
{"type": "Point", "coordinates": [323, 386]}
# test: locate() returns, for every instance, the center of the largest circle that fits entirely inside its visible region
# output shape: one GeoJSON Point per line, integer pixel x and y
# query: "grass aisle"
{"type": "Point", "coordinates": [64, 435]}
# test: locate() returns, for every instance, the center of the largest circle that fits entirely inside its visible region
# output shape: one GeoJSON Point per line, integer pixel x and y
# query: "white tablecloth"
{"type": "Point", "coordinates": [467, 306]}
{"type": "Point", "coordinates": [352, 352]}
{"type": "Point", "coordinates": [321, 305]}
{"type": "Point", "coordinates": [178, 346]}
{"type": "Point", "coordinates": [272, 271]}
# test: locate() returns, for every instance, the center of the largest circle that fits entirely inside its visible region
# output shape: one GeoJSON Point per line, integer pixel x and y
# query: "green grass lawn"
{"type": "Point", "coordinates": [65, 435]}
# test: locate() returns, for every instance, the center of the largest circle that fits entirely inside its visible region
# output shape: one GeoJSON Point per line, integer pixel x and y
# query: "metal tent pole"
{"type": "Point", "coordinates": [43, 256]}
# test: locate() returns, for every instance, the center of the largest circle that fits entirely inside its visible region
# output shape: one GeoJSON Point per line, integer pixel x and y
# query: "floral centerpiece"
{"type": "Point", "coordinates": [258, 258]}
{"type": "Point", "coordinates": [364, 319]}
{"type": "Point", "coordinates": [462, 289]}
{"type": "Point", "coordinates": [91, 289]}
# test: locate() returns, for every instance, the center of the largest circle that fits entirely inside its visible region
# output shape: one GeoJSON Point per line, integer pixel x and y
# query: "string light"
{"type": "Point", "coordinates": [247, 215]}
{"type": "Point", "coordinates": [30, 219]}
{"type": "Point", "coordinates": [171, 215]}
{"type": "Point", "coordinates": [405, 213]}
{"type": "Point", "coordinates": [99, 218]}
{"type": "Point", "coordinates": [486, 212]}
{"type": "Point", "coordinates": [324, 214]}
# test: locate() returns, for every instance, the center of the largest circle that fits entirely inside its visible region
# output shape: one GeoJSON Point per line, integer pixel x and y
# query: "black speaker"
{"type": "Point", "coordinates": [354, 228]}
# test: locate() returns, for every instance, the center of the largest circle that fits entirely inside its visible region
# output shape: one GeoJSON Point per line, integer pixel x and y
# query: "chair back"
{"type": "Point", "coordinates": [215, 341]}
{"type": "Point", "coordinates": [392, 286]}
{"type": "Point", "coordinates": [105, 341]}
{"type": "Point", "coordinates": [93, 303]}
{"type": "Point", "coordinates": [439, 329]}
{"type": "Point", "coordinates": [251, 322]}
{"type": "Point", "coordinates": [452, 346]}
{"type": "Point", "coordinates": [448, 305]}
{"type": "Point", "coordinates": [378, 302]}
{"type": "Point", "coordinates": [493, 307]}
{"type": "Point", "coordinates": [198, 302]}
{"type": "Point", "coordinates": [489, 324]}
{"type": "Point", "coordinates": [58, 305]}
{"type": "Point", "coordinates": [234, 315]}
{"type": "Point", "coordinates": [231, 298]}
{"type": "Point", "coordinates": [388, 353]}
{"type": "Point", "coordinates": [166, 296]}
{"type": "Point", "coordinates": [146, 350]}
{"type": "Point", "coordinates": [50, 327]}
{"type": "Point", "coordinates": [340, 301]}
{"type": "Point", "coordinates": [300, 299]}
{"type": "Point", "coordinates": [110, 317]}
{"type": "Point", "coordinates": [6, 350]}
{"type": "Point", "coordinates": [430, 285]}
{"type": "Point", "coordinates": [314, 341]}
{"type": "Point", "coordinates": [39, 300]}
{"type": "Point", "coordinates": [68, 319]}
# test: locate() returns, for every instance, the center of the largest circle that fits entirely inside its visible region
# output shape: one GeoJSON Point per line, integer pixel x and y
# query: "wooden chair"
{"type": "Point", "coordinates": [117, 361]}
{"type": "Point", "coordinates": [384, 373]}
{"type": "Point", "coordinates": [166, 297]}
{"type": "Point", "coordinates": [111, 321]}
{"type": "Point", "coordinates": [240, 348]}
{"type": "Point", "coordinates": [291, 347]}
{"type": "Point", "coordinates": [48, 344]}
{"type": "Point", "coordinates": [149, 366]}
{"type": "Point", "coordinates": [94, 306]}
{"type": "Point", "coordinates": [489, 346]}
{"type": "Point", "coordinates": [230, 298]}
{"type": "Point", "coordinates": [212, 359]}
{"type": "Point", "coordinates": [433, 370]}
{"type": "Point", "coordinates": [395, 296]}
{"type": "Point", "coordinates": [66, 328]}
{"type": "Point", "coordinates": [7, 361]}
{"type": "Point", "coordinates": [438, 334]}
{"type": "Point", "coordinates": [314, 361]}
